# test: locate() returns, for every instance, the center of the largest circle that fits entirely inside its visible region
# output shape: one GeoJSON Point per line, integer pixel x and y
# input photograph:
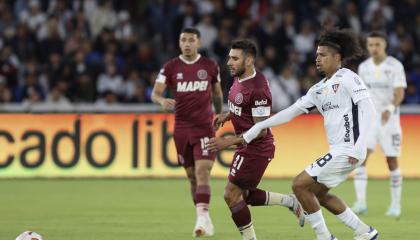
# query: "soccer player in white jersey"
{"type": "Point", "coordinates": [385, 79]}
{"type": "Point", "coordinates": [343, 100]}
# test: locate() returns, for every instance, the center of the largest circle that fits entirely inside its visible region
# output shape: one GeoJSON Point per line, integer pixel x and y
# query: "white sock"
{"type": "Point", "coordinates": [353, 221]}
{"type": "Point", "coordinates": [396, 187]}
{"type": "Point", "coordinates": [318, 224]}
{"type": "Point", "coordinates": [202, 210]}
{"type": "Point", "coordinates": [360, 184]}
{"type": "Point", "coordinates": [248, 232]}
{"type": "Point", "coordinates": [274, 198]}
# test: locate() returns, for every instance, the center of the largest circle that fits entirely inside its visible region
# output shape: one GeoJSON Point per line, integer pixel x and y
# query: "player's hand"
{"type": "Point", "coordinates": [219, 120]}
{"type": "Point", "coordinates": [385, 116]}
{"type": "Point", "coordinates": [353, 160]}
{"type": "Point", "coordinates": [168, 103]}
{"type": "Point", "coordinates": [218, 143]}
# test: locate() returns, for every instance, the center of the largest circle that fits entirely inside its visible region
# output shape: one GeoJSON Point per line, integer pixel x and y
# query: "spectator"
{"type": "Point", "coordinates": [84, 89]}
{"type": "Point", "coordinates": [110, 81]}
{"type": "Point", "coordinates": [103, 17]}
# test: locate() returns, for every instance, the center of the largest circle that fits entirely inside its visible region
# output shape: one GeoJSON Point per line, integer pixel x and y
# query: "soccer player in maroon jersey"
{"type": "Point", "coordinates": [194, 81]}
{"type": "Point", "coordinates": [249, 102]}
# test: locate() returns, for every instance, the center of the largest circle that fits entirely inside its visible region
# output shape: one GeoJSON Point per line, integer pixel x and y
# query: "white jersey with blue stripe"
{"type": "Point", "coordinates": [336, 99]}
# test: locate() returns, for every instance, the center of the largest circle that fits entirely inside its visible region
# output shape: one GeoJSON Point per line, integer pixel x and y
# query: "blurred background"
{"type": "Point", "coordinates": [60, 53]}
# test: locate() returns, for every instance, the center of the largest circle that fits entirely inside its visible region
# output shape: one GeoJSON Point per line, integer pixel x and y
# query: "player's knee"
{"type": "Point", "coordinates": [202, 174]}
{"type": "Point", "coordinates": [297, 185]}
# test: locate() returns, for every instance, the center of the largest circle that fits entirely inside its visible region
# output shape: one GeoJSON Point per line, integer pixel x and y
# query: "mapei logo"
{"type": "Point", "coordinates": [193, 86]}
{"type": "Point", "coordinates": [261, 102]}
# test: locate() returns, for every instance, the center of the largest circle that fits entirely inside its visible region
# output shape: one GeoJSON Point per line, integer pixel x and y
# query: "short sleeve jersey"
{"type": "Point", "coordinates": [382, 79]}
{"type": "Point", "coordinates": [336, 99]}
{"type": "Point", "coordinates": [191, 85]}
{"type": "Point", "coordinates": [248, 98]}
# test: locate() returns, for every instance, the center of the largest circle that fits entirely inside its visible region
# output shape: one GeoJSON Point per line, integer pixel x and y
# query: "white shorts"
{"type": "Point", "coordinates": [331, 170]}
{"type": "Point", "coordinates": [389, 136]}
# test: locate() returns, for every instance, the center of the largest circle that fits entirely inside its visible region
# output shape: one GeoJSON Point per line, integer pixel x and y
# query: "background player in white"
{"type": "Point", "coordinates": [385, 79]}
{"type": "Point", "coordinates": [343, 100]}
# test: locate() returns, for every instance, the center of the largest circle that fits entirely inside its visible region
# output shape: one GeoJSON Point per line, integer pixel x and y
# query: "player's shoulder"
{"type": "Point", "coordinates": [393, 62]}
{"type": "Point", "coordinates": [208, 61]}
{"type": "Point", "coordinates": [366, 63]}
{"type": "Point", "coordinates": [259, 81]}
{"type": "Point", "coordinates": [172, 62]}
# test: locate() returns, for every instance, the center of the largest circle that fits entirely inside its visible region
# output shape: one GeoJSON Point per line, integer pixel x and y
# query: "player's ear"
{"type": "Point", "coordinates": [249, 61]}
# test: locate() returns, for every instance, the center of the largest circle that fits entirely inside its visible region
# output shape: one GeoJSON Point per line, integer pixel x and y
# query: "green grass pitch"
{"type": "Point", "coordinates": [155, 209]}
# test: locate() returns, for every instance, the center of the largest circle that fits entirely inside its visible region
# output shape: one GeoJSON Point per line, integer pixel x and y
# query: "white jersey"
{"type": "Point", "coordinates": [382, 79]}
{"type": "Point", "coordinates": [336, 100]}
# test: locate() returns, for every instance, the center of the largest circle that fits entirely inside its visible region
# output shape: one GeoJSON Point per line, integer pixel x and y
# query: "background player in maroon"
{"type": "Point", "coordinates": [194, 82]}
{"type": "Point", "coordinates": [249, 102]}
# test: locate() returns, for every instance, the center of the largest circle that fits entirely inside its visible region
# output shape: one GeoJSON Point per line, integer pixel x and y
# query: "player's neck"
{"type": "Point", "coordinates": [378, 60]}
{"type": "Point", "coordinates": [330, 74]}
{"type": "Point", "coordinates": [189, 58]}
{"type": "Point", "coordinates": [249, 73]}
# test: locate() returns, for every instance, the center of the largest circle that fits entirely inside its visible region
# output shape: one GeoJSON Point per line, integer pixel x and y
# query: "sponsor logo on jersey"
{"type": "Point", "coordinates": [202, 74]}
{"type": "Point", "coordinates": [335, 87]}
{"type": "Point", "coordinates": [329, 106]}
{"type": "Point", "coordinates": [192, 86]}
{"type": "Point", "coordinates": [239, 98]}
{"type": "Point", "coordinates": [261, 102]}
{"type": "Point", "coordinates": [235, 109]}
{"type": "Point", "coordinates": [359, 90]}
{"type": "Point", "coordinates": [179, 76]}
{"type": "Point", "coordinates": [347, 127]}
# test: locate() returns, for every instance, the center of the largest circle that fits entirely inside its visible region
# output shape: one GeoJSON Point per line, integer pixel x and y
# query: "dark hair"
{"type": "Point", "coordinates": [377, 34]}
{"type": "Point", "coordinates": [191, 30]}
{"type": "Point", "coordinates": [246, 45]}
{"type": "Point", "coordinates": [343, 41]}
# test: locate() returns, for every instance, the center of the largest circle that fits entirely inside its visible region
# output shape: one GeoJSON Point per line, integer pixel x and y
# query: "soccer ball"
{"type": "Point", "coordinates": [29, 235]}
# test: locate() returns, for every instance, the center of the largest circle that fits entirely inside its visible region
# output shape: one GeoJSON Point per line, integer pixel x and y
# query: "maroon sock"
{"type": "Point", "coordinates": [241, 214]}
{"type": "Point", "coordinates": [202, 194]}
{"type": "Point", "coordinates": [193, 189]}
{"type": "Point", "coordinates": [256, 197]}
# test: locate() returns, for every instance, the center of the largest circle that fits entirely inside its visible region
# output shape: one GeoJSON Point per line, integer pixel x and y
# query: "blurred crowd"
{"type": "Point", "coordinates": [104, 51]}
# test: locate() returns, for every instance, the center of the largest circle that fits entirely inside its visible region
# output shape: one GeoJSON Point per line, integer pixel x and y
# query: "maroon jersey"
{"type": "Point", "coordinates": [248, 98]}
{"type": "Point", "coordinates": [191, 84]}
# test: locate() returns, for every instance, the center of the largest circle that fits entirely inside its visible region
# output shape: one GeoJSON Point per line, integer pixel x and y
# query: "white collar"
{"type": "Point", "coordinates": [190, 62]}
{"type": "Point", "coordinates": [249, 77]}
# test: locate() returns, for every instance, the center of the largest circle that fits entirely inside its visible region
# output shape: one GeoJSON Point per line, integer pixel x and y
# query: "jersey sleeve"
{"type": "Point", "coordinates": [164, 74]}
{"type": "Point", "coordinates": [356, 88]}
{"type": "Point", "coordinates": [306, 103]}
{"type": "Point", "coordinates": [399, 77]}
{"type": "Point", "coordinates": [261, 103]}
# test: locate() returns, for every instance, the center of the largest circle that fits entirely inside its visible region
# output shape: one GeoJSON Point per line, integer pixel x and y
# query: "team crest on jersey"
{"type": "Point", "coordinates": [239, 98]}
{"type": "Point", "coordinates": [335, 87]}
{"type": "Point", "coordinates": [388, 73]}
{"type": "Point", "coordinates": [202, 74]}
{"type": "Point", "coordinates": [179, 76]}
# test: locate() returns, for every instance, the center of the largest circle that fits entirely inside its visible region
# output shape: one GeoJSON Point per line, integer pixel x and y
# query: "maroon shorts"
{"type": "Point", "coordinates": [247, 169]}
{"type": "Point", "coordinates": [191, 145]}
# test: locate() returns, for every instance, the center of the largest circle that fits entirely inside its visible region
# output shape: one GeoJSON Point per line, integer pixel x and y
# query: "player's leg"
{"type": "Point", "coordinates": [190, 171]}
{"type": "Point", "coordinates": [203, 161]}
{"type": "Point", "coordinates": [360, 186]}
{"type": "Point", "coordinates": [396, 182]}
{"type": "Point", "coordinates": [361, 176]}
{"type": "Point", "coordinates": [260, 197]}
{"type": "Point", "coordinates": [204, 225]}
{"type": "Point", "coordinates": [391, 145]}
{"type": "Point", "coordinates": [337, 206]}
{"type": "Point", "coordinates": [303, 189]}
{"type": "Point", "coordinates": [240, 212]}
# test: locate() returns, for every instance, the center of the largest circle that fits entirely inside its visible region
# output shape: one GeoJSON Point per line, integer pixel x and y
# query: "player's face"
{"type": "Point", "coordinates": [236, 62]}
{"type": "Point", "coordinates": [327, 60]}
{"type": "Point", "coordinates": [376, 46]}
{"type": "Point", "coordinates": [189, 44]}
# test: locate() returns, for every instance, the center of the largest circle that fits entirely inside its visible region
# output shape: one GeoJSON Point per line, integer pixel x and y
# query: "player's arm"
{"type": "Point", "coordinates": [396, 102]}
{"type": "Point", "coordinates": [217, 97]}
{"type": "Point", "coordinates": [282, 117]}
{"type": "Point", "coordinates": [366, 112]}
{"type": "Point", "coordinates": [157, 96]}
